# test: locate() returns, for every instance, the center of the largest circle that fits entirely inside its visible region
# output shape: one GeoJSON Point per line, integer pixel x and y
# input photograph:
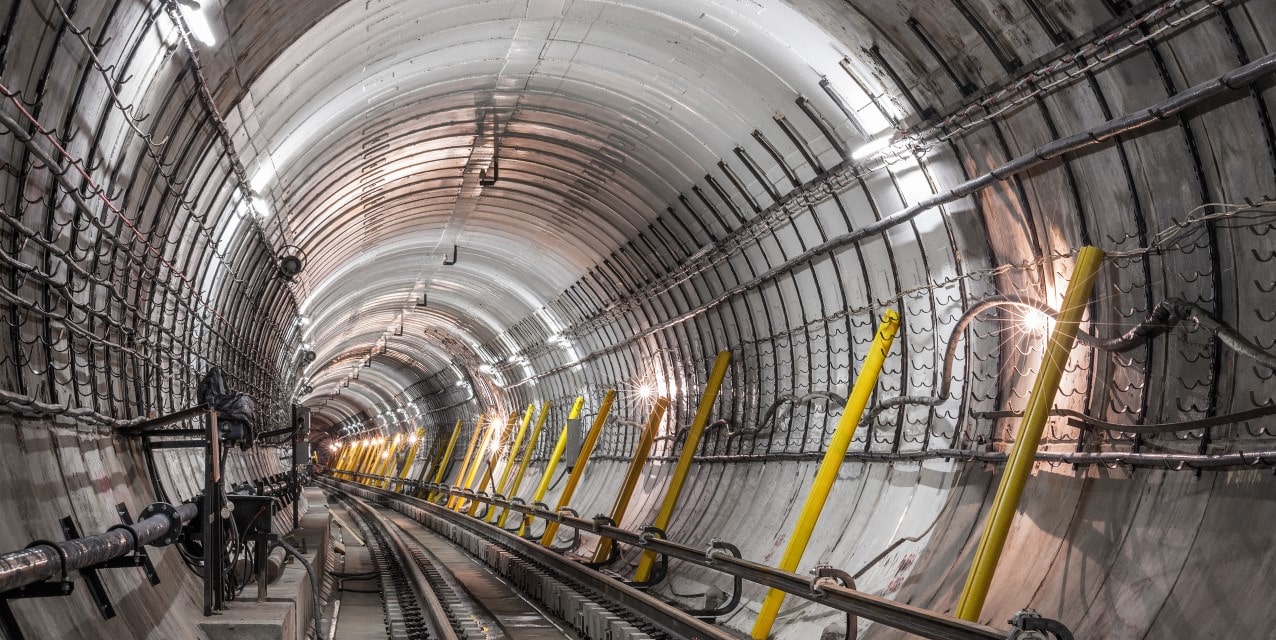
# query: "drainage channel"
{"type": "Point", "coordinates": [495, 590]}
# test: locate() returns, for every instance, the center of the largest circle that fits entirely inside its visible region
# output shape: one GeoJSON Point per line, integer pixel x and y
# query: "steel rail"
{"type": "Point", "coordinates": [438, 621]}
{"type": "Point", "coordinates": [46, 559]}
{"type": "Point", "coordinates": [927, 624]}
{"type": "Point", "coordinates": [670, 620]}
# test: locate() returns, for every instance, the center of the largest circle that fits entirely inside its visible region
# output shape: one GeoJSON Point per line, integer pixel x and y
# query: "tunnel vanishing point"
{"type": "Point", "coordinates": [746, 318]}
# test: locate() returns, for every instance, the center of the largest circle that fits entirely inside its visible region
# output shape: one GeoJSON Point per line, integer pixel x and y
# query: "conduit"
{"type": "Point", "coordinates": [43, 561]}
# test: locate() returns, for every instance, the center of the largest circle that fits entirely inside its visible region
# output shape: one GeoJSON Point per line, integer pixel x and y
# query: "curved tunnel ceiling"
{"type": "Point", "coordinates": [503, 203]}
{"type": "Point", "coordinates": [598, 114]}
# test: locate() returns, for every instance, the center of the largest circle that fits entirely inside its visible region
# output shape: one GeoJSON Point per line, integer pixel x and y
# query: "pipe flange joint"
{"type": "Point", "coordinates": [174, 522]}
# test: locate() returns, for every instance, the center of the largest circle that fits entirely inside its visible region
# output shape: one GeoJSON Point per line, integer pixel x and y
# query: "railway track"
{"type": "Point", "coordinates": [442, 580]}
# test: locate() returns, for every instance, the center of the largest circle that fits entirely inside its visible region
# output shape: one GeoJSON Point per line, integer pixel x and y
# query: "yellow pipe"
{"type": "Point", "coordinates": [689, 447]}
{"type": "Point", "coordinates": [469, 454]}
{"type": "Point", "coordinates": [552, 463]}
{"type": "Point", "coordinates": [829, 466]}
{"type": "Point", "coordinates": [527, 458]}
{"type": "Point", "coordinates": [578, 470]}
{"type": "Point", "coordinates": [370, 460]}
{"type": "Point", "coordinates": [497, 448]}
{"type": "Point", "coordinates": [1023, 453]}
{"type": "Point", "coordinates": [509, 463]}
{"type": "Point", "coordinates": [387, 458]}
{"type": "Point", "coordinates": [342, 455]}
{"type": "Point", "coordinates": [447, 456]}
{"type": "Point", "coordinates": [476, 461]}
{"type": "Point", "coordinates": [635, 472]}
{"type": "Point", "coordinates": [415, 442]}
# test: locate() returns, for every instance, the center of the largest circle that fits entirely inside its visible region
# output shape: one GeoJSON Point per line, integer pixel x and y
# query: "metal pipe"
{"type": "Point", "coordinates": [447, 455]}
{"type": "Point", "coordinates": [578, 471]}
{"type": "Point", "coordinates": [552, 463]}
{"type": "Point", "coordinates": [476, 460]}
{"type": "Point", "coordinates": [832, 463]}
{"type": "Point", "coordinates": [491, 463]}
{"type": "Point", "coordinates": [635, 472]}
{"type": "Point", "coordinates": [42, 562]}
{"type": "Point", "coordinates": [509, 463]}
{"type": "Point", "coordinates": [1037, 412]}
{"type": "Point", "coordinates": [527, 458]}
{"type": "Point", "coordinates": [469, 453]}
{"type": "Point", "coordinates": [714, 383]}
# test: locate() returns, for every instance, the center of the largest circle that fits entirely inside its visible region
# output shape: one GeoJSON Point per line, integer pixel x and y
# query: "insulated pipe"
{"type": "Point", "coordinates": [447, 455]}
{"type": "Point", "coordinates": [552, 463]}
{"type": "Point", "coordinates": [635, 472]}
{"type": "Point", "coordinates": [509, 463]}
{"type": "Point", "coordinates": [527, 458]}
{"type": "Point", "coordinates": [839, 444]}
{"type": "Point", "coordinates": [1022, 455]}
{"type": "Point", "coordinates": [711, 387]}
{"type": "Point", "coordinates": [42, 561]}
{"type": "Point", "coordinates": [578, 470]}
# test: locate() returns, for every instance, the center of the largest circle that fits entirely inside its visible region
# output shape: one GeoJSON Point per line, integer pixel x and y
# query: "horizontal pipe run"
{"type": "Point", "coordinates": [928, 624]}
{"type": "Point", "coordinates": [41, 562]}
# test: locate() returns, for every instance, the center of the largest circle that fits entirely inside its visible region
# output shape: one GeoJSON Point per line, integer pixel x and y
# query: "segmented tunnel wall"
{"type": "Point", "coordinates": [140, 350]}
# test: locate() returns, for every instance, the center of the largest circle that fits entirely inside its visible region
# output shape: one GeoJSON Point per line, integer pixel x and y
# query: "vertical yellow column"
{"type": "Point", "coordinates": [689, 447]}
{"type": "Point", "coordinates": [415, 442]}
{"type": "Point", "coordinates": [527, 458]}
{"type": "Point", "coordinates": [446, 457]}
{"type": "Point", "coordinates": [826, 475]}
{"type": "Point", "coordinates": [552, 463]}
{"type": "Point", "coordinates": [497, 446]}
{"type": "Point", "coordinates": [635, 472]}
{"type": "Point", "coordinates": [586, 449]}
{"type": "Point", "coordinates": [370, 461]}
{"type": "Point", "coordinates": [510, 462]}
{"type": "Point", "coordinates": [469, 455]}
{"type": "Point", "coordinates": [387, 459]}
{"type": "Point", "coordinates": [1023, 454]}
{"type": "Point", "coordinates": [342, 456]}
{"type": "Point", "coordinates": [476, 460]}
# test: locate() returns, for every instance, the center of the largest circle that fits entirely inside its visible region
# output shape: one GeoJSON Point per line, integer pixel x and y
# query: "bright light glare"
{"type": "Point", "coordinates": [198, 25]}
{"type": "Point", "coordinates": [646, 391]}
{"type": "Point", "coordinates": [871, 148]}
{"type": "Point", "coordinates": [412, 439]}
{"type": "Point", "coordinates": [1037, 321]}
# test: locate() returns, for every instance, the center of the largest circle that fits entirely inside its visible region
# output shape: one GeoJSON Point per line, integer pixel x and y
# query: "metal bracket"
{"type": "Point", "coordinates": [44, 589]}
{"type": "Point", "coordinates": [1030, 625]}
{"type": "Point", "coordinates": [648, 533]}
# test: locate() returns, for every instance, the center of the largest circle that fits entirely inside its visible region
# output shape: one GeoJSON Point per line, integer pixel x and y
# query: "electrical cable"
{"type": "Point", "coordinates": [1161, 320]}
{"type": "Point", "coordinates": [314, 582]}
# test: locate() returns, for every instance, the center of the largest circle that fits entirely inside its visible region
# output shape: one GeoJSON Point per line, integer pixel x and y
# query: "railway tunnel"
{"type": "Point", "coordinates": [733, 318]}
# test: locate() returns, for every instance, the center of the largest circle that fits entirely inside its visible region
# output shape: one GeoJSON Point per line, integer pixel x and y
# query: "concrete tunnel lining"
{"type": "Point", "coordinates": [657, 161]}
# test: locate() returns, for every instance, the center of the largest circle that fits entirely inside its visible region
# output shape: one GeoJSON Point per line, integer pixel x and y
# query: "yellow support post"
{"type": "Point", "coordinates": [415, 443]}
{"type": "Point", "coordinates": [552, 463]}
{"type": "Point", "coordinates": [497, 446]}
{"type": "Point", "coordinates": [370, 460]}
{"type": "Point", "coordinates": [635, 472]}
{"type": "Point", "coordinates": [509, 463]}
{"type": "Point", "coordinates": [342, 455]}
{"type": "Point", "coordinates": [361, 450]}
{"type": "Point", "coordinates": [387, 459]}
{"type": "Point", "coordinates": [1023, 454]}
{"type": "Point", "coordinates": [469, 454]}
{"type": "Point", "coordinates": [476, 461]}
{"type": "Point", "coordinates": [527, 458]}
{"type": "Point", "coordinates": [586, 449]}
{"type": "Point", "coordinates": [356, 450]}
{"type": "Point", "coordinates": [446, 457]}
{"type": "Point", "coordinates": [829, 466]}
{"type": "Point", "coordinates": [716, 376]}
